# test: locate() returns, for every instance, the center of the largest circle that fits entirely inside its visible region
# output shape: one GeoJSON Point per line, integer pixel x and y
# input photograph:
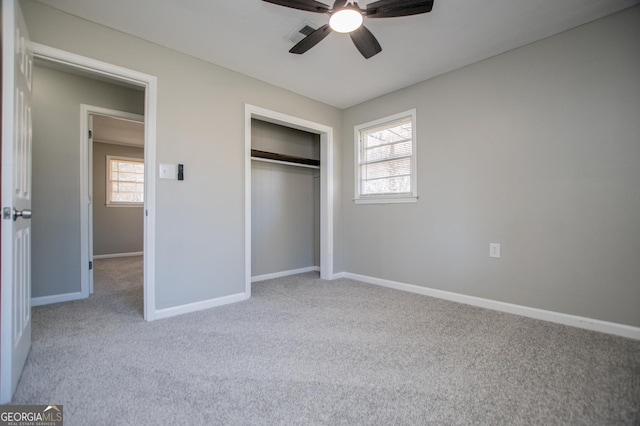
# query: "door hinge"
{"type": "Point", "coordinates": [90, 265]}
{"type": "Point", "coordinates": [90, 134]}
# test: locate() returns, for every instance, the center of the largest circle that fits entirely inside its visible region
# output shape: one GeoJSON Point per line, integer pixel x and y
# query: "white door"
{"type": "Point", "coordinates": [17, 66]}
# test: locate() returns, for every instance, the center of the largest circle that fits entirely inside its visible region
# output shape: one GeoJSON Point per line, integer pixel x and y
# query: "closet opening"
{"type": "Point", "coordinates": [288, 196]}
{"type": "Point", "coordinates": [285, 201]}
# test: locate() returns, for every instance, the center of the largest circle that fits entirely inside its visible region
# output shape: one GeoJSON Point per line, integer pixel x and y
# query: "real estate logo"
{"type": "Point", "coordinates": [31, 415]}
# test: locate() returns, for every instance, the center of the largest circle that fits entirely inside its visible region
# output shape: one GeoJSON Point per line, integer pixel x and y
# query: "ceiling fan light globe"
{"type": "Point", "coordinates": [345, 20]}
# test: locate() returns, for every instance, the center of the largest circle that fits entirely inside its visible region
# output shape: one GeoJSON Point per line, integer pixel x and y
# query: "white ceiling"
{"type": "Point", "coordinates": [118, 131]}
{"type": "Point", "coordinates": [249, 36]}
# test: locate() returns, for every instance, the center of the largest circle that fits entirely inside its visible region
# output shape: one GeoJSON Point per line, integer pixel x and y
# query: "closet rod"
{"type": "Point", "coordinates": [284, 158]}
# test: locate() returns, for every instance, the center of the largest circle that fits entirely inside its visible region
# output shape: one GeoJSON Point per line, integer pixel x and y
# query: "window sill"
{"type": "Point", "coordinates": [386, 200]}
{"type": "Point", "coordinates": [125, 205]}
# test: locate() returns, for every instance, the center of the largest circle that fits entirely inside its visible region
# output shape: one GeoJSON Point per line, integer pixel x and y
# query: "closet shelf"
{"type": "Point", "coordinates": [282, 158]}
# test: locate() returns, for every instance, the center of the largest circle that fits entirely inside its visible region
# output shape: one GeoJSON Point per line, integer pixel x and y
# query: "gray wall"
{"type": "Point", "coordinates": [56, 172]}
{"type": "Point", "coordinates": [201, 125]}
{"type": "Point", "coordinates": [537, 149]}
{"type": "Point", "coordinates": [285, 202]}
{"type": "Point", "coordinates": [115, 229]}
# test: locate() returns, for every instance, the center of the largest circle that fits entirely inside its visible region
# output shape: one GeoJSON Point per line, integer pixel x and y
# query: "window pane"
{"type": "Point", "coordinates": [394, 185]}
{"type": "Point", "coordinates": [130, 177]}
{"type": "Point", "coordinates": [386, 157]}
{"type": "Point", "coordinates": [388, 133]}
{"type": "Point", "coordinates": [401, 149]}
{"type": "Point", "coordinates": [126, 187]}
{"type": "Point", "coordinates": [126, 181]}
{"type": "Point", "coordinates": [130, 167]}
{"type": "Point", "coordinates": [386, 169]}
{"type": "Point", "coordinates": [127, 197]}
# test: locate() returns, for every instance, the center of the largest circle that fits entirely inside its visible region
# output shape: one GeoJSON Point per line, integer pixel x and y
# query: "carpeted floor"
{"type": "Point", "coordinates": [307, 351]}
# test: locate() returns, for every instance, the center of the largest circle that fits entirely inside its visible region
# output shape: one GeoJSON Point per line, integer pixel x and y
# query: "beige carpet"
{"type": "Point", "coordinates": [307, 351]}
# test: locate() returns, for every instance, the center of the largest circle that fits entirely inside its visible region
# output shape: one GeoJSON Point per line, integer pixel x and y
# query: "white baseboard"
{"type": "Point", "coordinates": [114, 255]}
{"type": "Point", "coordinates": [541, 314]}
{"type": "Point", "coordinates": [57, 298]}
{"type": "Point", "coordinates": [284, 273]}
{"type": "Point", "coordinates": [199, 306]}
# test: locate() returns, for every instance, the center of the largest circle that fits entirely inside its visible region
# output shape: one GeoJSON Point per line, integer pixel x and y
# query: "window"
{"type": "Point", "coordinates": [386, 160]}
{"type": "Point", "coordinates": [125, 181]}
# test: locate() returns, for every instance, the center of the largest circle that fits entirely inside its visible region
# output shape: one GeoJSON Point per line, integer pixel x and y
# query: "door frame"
{"type": "Point", "coordinates": [86, 186]}
{"type": "Point", "coordinates": [326, 183]}
{"type": "Point", "coordinates": [150, 85]}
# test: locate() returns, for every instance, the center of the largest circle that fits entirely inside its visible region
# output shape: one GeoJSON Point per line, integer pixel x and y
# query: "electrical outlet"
{"type": "Point", "coordinates": [494, 250]}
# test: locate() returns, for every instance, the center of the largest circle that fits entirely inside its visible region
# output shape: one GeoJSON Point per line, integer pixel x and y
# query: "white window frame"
{"type": "Point", "coordinates": [108, 201]}
{"type": "Point", "coordinates": [387, 198]}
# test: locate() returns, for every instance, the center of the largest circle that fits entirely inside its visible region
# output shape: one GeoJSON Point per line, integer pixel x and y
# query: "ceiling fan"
{"type": "Point", "coordinates": [345, 16]}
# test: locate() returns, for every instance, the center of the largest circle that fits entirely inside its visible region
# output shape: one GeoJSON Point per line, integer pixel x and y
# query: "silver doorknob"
{"type": "Point", "coordinates": [25, 214]}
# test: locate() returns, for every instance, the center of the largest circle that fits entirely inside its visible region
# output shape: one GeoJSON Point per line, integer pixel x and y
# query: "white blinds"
{"type": "Point", "coordinates": [386, 158]}
{"type": "Point", "coordinates": [125, 181]}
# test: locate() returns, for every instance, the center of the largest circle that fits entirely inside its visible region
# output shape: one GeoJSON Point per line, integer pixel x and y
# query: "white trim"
{"type": "Point", "coordinates": [88, 119]}
{"type": "Point", "coordinates": [326, 183]}
{"type": "Point", "coordinates": [199, 306]}
{"type": "Point", "coordinates": [114, 255]}
{"type": "Point", "coordinates": [525, 311]}
{"type": "Point", "coordinates": [150, 84]}
{"type": "Point", "coordinates": [57, 298]}
{"type": "Point", "coordinates": [93, 66]}
{"type": "Point", "coordinates": [284, 273]}
{"type": "Point", "coordinates": [387, 198]}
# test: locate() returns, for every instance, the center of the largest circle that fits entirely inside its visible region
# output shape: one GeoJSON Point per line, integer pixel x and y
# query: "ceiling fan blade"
{"type": "Point", "coordinates": [365, 42]}
{"type": "Point", "coordinates": [395, 8]}
{"type": "Point", "coordinates": [306, 5]}
{"type": "Point", "coordinates": [311, 40]}
{"type": "Point", "coordinates": [338, 4]}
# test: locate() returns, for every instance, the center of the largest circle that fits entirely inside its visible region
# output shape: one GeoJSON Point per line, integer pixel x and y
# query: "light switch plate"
{"type": "Point", "coordinates": [168, 171]}
{"type": "Point", "coordinates": [494, 250]}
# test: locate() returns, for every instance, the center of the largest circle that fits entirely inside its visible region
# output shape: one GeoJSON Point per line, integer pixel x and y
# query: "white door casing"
{"type": "Point", "coordinates": [17, 66]}
{"type": "Point", "coordinates": [89, 200]}
{"type": "Point", "coordinates": [326, 183]}
{"type": "Point", "coordinates": [87, 113]}
{"type": "Point", "coordinates": [150, 85]}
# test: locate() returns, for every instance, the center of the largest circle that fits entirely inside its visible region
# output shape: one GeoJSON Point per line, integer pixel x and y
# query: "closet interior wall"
{"type": "Point", "coordinates": [285, 201]}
